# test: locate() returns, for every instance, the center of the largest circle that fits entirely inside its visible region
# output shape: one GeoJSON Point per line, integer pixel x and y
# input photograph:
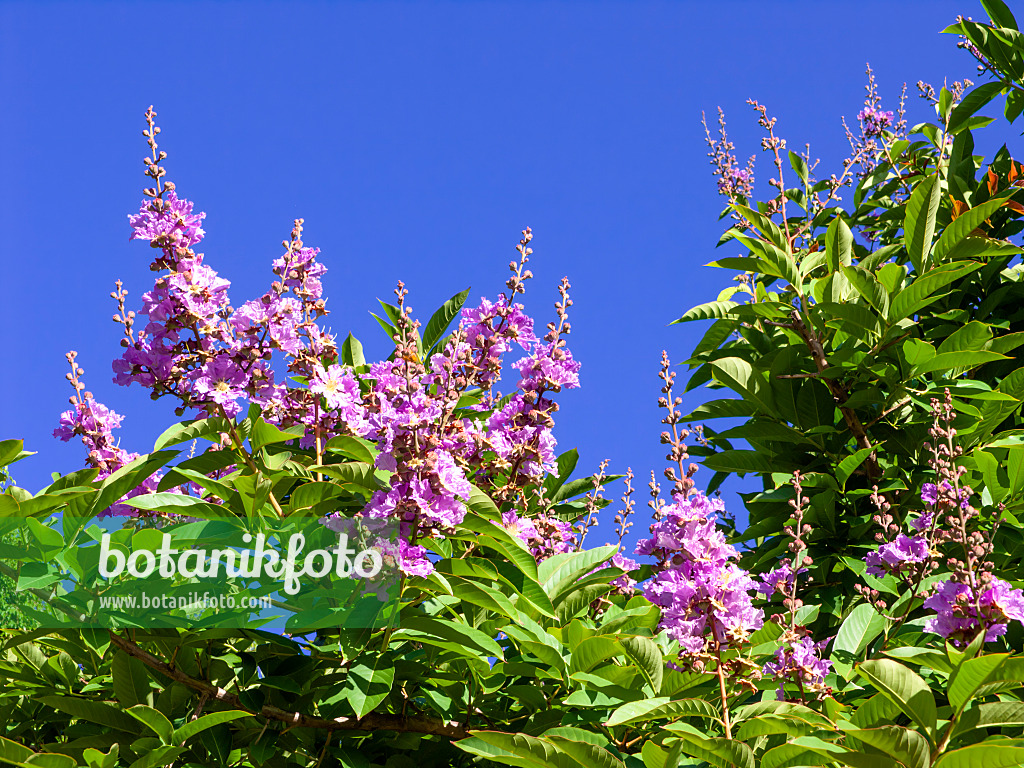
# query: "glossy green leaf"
{"type": "Point", "coordinates": [442, 318]}
{"type": "Point", "coordinates": [130, 680]}
{"type": "Point", "coordinates": [366, 686]}
{"type": "Point", "coordinates": [647, 656]}
{"type": "Point", "coordinates": [517, 749]}
{"type": "Point", "coordinates": [922, 291]}
{"type": "Point", "coordinates": [154, 720]}
{"type": "Point", "coordinates": [904, 687]}
{"type": "Point", "coordinates": [712, 310]}
{"type": "Point", "coordinates": [971, 675]}
{"type": "Point", "coordinates": [905, 745]}
{"type": "Point", "coordinates": [93, 711]}
{"type": "Point", "coordinates": [838, 245]}
{"type": "Point", "coordinates": [660, 708]}
{"type": "Point", "coordinates": [982, 756]}
{"type": "Point", "coordinates": [195, 727]}
{"type": "Point", "coordinates": [919, 223]}
{"type": "Point", "coordinates": [963, 225]}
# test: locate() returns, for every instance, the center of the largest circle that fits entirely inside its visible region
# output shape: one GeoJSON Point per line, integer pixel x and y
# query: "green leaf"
{"type": "Point", "coordinates": [1015, 469]}
{"type": "Point", "coordinates": [740, 376]}
{"type": "Point", "coordinates": [355, 472]}
{"type": "Point", "coordinates": [159, 757]}
{"type": "Point", "coordinates": [763, 224]}
{"type": "Point", "coordinates": [787, 755]}
{"type": "Point", "coordinates": [971, 675]}
{"type": "Point", "coordinates": [859, 628]}
{"type": "Point", "coordinates": [905, 688]}
{"type": "Point", "coordinates": [195, 727]}
{"type": "Point", "coordinates": [785, 710]}
{"type": "Point", "coordinates": [724, 753]}
{"type": "Point", "coordinates": [969, 338]}
{"type": "Point", "coordinates": [996, 714]}
{"type": "Point", "coordinates": [131, 680]}
{"type": "Point", "coordinates": [919, 223]}
{"type": "Point", "coordinates": [659, 709]}
{"type": "Point", "coordinates": [955, 361]}
{"type": "Point", "coordinates": [838, 245]}
{"type": "Point", "coordinates": [1000, 14]}
{"type": "Point", "coordinates": [907, 746]}
{"type": "Point", "coordinates": [592, 651]}
{"type": "Point", "coordinates": [484, 596]}
{"type": "Point", "coordinates": [799, 166]}
{"type": "Point", "coordinates": [14, 752]}
{"type": "Point", "coordinates": [427, 628]}
{"type": "Point", "coordinates": [982, 756]}
{"type": "Point", "coordinates": [442, 318]}
{"type": "Point", "coordinates": [846, 468]}
{"type": "Point", "coordinates": [656, 757]}
{"type": "Point", "coordinates": [581, 748]}
{"type": "Point", "coordinates": [565, 465]}
{"type": "Point", "coordinates": [367, 687]}
{"type": "Point", "coordinates": [712, 310]}
{"type": "Point", "coordinates": [126, 478]}
{"type": "Point", "coordinates": [190, 430]}
{"type": "Point", "coordinates": [839, 754]}
{"type": "Point", "coordinates": [739, 462]}
{"type": "Point", "coordinates": [856, 314]}
{"type": "Point", "coordinates": [648, 658]}
{"type": "Point", "coordinates": [974, 100]}
{"type": "Point", "coordinates": [963, 225]}
{"type": "Point", "coordinates": [267, 434]}
{"type": "Point", "coordinates": [921, 292]}
{"type": "Point", "coordinates": [154, 720]}
{"type": "Point", "coordinates": [867, 285]}
{"type": "Point", "coordinates": [517, 749]}
{"type": "Point", "coordinates": [176, 503]}
{"type": "Point", "coordinates": [558, 572]}
{"type": "Point", "coordinates": [93, 711]}
{"type": "Point", "coordinates": [352, 351]}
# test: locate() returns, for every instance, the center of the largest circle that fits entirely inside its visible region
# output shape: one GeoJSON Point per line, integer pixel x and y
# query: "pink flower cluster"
{"type": "Point", "coordinates": [704, 596]}
{"type": "Point", "coordinates": [94, 423]}
{"type": "Point", "coordinates": [801, 662]}
{"type": "Point", "coordinates": [438, 424]}
{"type": "Point", "coordinates": [961, 612]}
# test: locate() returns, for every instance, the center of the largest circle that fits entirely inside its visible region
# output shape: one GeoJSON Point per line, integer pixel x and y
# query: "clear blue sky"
{"type": "Point", "coordinates": [417, 140]}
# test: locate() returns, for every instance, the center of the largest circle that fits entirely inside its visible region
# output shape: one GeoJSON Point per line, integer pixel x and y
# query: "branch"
{"type": "Point", "coordinates": [838, 391]}
{"type": "Point", "coordinates": [374, 721]}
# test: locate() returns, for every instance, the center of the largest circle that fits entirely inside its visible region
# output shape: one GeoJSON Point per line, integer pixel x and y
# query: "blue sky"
{"type": "Point", "coordinates": [417, 140]}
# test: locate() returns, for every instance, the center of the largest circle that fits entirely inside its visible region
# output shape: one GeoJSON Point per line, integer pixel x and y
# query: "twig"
{"type": "Point", "coordinates": [373, 721]}
{"type": "Point", "coordinates": [838, 391]}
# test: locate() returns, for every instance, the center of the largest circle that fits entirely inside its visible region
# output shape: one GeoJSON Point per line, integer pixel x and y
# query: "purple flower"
{"type": "Point", "coordinates": [780, 579]}
{"type": "Point", "coordinates": [491, 326]}
{"type": "Point", "coordinates": [169, 223]}
{"type": "Point", "coordinates": [338, 387]}
{"type": "Point", "coordinates": [802, 664]}
{"type": "Point", "coordinates": [303, 272]}
{"type": "Point", "coordinates": [892, 555]}
{"type": "Point", "coordinates": [957, 617]}
{"type": "Point", "coordinates": [221, 381]}
{"type": "Point", "coordinates": [549, 369]}
{"type": "Point", "coordinates": [929, 493]}
{"type": "Point", "coordinates": [922, 522]}
{"type": "Point", "coordinates": [699, 590]}
{"type": "Point", "coordinates": [624, 584]}
{"type": "Point", "coordinates": [735, 181]}
{"type": "Point", "coordinates": [874, 120]}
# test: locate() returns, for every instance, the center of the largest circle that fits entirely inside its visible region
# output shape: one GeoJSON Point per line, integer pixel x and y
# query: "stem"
{"type": "Point", "coordinates": [371, 722]}
{"type": "Point", "coordinates": [726, 725]}
{"type": "Point", "coordinates": [239, 446]}
{"type": "Point", "coordinates": [810, 338]}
